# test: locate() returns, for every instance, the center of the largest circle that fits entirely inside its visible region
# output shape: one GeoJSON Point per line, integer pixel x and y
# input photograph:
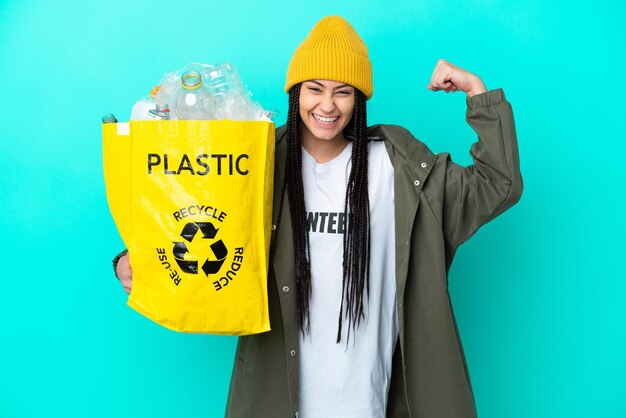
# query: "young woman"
{"type": "Point", "coordinates": [367, 222]}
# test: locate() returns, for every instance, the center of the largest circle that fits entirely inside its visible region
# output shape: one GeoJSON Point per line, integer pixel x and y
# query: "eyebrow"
{"type": "Point", "coordinates": [336, 88]}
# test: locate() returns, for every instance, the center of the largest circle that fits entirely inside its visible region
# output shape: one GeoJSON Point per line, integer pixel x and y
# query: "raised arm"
{"type": "Point", "coordinates": [475, 194]}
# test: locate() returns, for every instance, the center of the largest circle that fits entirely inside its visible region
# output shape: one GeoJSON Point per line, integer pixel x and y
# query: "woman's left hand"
{"type": "Point", "coordinates": [450, 78]}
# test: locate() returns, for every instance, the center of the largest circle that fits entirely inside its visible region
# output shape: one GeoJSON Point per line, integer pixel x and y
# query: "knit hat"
{"type": "Point", "coordinates": [332, 51]}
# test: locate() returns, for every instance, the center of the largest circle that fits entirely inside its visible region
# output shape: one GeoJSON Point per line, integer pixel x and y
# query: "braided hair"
{"type": "Point", "coordinates": [356, 238]}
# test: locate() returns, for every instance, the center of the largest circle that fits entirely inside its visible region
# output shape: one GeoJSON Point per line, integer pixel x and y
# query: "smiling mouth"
{"type": "Point", "coordinates": [325, 120]}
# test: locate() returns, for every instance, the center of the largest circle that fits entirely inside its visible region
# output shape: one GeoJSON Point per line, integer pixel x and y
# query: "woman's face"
{"type": "Point", "coordinates": [326, 108]}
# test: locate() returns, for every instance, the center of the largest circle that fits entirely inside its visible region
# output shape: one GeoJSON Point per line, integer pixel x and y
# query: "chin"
{"type": "Point", "coordinates": [325, 135]}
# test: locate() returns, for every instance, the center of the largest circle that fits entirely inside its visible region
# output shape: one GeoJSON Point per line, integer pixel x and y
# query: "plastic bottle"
{"type": "Point", "coordinates": [224, 80]}
{"type": "Point", "coordinates": [170, 83]}
{"type": "Point", "coordinates": [229, 94]}
{"type": "Point", "coordinates": [194, 101]}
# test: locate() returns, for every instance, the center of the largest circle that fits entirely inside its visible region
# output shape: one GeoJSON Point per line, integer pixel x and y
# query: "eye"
{"type": "Point", "coordinates": [315, 89]}
{"type": "Point", "coordinates": [344, 92]}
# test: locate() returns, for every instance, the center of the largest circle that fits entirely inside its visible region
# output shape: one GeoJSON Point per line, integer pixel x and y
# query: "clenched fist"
{"type": "Point", "coordinates": [450, 78]}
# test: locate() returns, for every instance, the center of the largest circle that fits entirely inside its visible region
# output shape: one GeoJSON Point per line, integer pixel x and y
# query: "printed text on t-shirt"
{"type": "Point", "coordinates": [326, 222]}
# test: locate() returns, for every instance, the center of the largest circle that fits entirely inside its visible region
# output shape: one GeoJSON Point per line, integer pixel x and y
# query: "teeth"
{"type": "Point", "coordinates": [325, 120]}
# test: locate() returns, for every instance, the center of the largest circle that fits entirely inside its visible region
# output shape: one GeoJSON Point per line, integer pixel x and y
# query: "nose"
{"type": "Point", "coordinates": [328, 103]}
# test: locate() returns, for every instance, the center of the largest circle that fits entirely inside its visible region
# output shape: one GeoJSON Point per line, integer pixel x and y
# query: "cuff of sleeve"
{"type": "Point", "coordinates": [488, 98]}
{"type": "Point", "coordinates": [116, 260]}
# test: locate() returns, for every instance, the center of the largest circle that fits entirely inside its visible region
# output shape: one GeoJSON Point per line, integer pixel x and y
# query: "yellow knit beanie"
{"type": "Point", "coordinates": [332, 51]}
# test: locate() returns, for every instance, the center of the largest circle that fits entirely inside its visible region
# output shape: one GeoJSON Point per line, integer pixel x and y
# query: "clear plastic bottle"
{"type": "Point", "coordinates": [232, 98]}
{"type": "Point", "coordinates": [194, 101]}
{"type": "Point", "coordinates": [224, 80]}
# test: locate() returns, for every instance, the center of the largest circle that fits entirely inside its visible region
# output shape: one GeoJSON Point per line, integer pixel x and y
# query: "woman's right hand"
{"type": "Point", "coordinates": [125, 273]}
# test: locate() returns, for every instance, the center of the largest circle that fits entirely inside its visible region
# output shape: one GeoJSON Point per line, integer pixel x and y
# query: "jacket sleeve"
{"type": "Point", "coordinates": [476, 194]}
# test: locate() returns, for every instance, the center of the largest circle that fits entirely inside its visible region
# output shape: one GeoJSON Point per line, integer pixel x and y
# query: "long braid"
{"type": "Point", "coordinates": [356, 238]}
{"type": "Point", "coordinates": [297, 210]}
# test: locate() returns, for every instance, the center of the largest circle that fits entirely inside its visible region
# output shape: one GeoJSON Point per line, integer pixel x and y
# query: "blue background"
{"type": "Point", "coordinates": [539, 293]}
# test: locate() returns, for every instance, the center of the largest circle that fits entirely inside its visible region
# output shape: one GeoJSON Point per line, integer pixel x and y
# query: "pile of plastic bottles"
{"type": "Point", "coordinates": [200, 92]}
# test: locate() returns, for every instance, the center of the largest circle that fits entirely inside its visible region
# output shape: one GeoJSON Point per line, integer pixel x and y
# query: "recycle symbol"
{"type": "Point", "coordinates": [214, 262]}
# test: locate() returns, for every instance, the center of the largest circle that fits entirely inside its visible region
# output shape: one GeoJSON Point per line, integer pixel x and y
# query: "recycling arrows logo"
{"type": "Point", "coordinates": [213, 262]}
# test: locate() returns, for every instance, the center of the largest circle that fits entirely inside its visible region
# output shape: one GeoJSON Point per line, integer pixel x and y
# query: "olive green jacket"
{"type": "Point", "coordinates": [438, 206]}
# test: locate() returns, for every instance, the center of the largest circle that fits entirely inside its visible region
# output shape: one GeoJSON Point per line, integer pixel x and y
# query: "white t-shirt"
{"type": "Point", "coordinates": [339, 380]}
